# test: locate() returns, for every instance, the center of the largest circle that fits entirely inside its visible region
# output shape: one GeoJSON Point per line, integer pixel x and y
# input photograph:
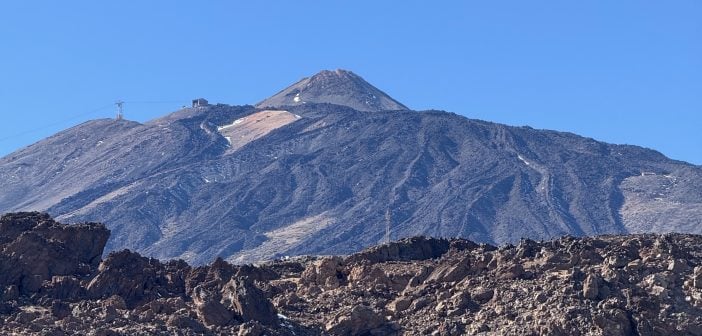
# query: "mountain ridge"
{"type": "Point", "coordinates": [245, 183]}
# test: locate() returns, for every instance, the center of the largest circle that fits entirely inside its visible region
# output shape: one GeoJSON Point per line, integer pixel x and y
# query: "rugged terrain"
{"type": "Point", "coordinates": [311, 177]}
{"type": "Point", "coordinates": [54, 283]}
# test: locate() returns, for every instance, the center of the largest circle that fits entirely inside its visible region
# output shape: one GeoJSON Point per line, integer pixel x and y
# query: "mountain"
{"type": "Point", "coordinates": [338, 87]}
{"type": "Point", "coordinates": [249, 183]}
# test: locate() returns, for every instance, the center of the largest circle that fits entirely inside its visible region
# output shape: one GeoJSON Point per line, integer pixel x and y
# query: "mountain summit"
{"type": "Point", "coordinates": [339, 87]}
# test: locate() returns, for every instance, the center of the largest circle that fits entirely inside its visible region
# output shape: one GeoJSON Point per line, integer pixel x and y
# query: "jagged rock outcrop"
{"type": "Point", "coordinates": [53, 282]}
{"type": "Point", "coordinates": [34, 248]}
{"type": "Point", "coordinates": [249, 302]}
{"type": "Point", "coordinates": [605, 285]}
{"type": "Point", "coordinates": [137, 279]}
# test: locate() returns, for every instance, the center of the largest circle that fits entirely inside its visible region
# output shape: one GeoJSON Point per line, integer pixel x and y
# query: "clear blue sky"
{"type": "Point", "coordinates": [618, 71]}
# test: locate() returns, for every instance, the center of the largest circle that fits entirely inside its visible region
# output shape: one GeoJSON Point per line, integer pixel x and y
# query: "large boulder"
{"type": "Point", "coordinates": [34, 248]}
{"type": "Point", "coordinates": [135, 278]}
{"type": "Point", "coordinates": [360, 320]}
{"type": "Point", "coordinates": [209, 308]}
{"type": "Point", "coordinates": [451, 271]}
{"type": "Point", "coordinates": [591, 287]}
{"type": "Point", "coordinates": [249, 302]}
{"type": "Point", "coordinates": [326, 273]}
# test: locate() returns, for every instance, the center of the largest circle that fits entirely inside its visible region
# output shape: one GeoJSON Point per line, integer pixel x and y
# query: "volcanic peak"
{"type": "Point", "coordinates": [339, 87]}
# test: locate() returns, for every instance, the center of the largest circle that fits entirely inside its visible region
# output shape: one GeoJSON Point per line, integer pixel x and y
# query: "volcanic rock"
{"type": "Point", "coordinates": [131, 294]}
{"type": "Point", "coordinates": [35, 248]}
{"type": "Point", "coordinates": [249, 302]}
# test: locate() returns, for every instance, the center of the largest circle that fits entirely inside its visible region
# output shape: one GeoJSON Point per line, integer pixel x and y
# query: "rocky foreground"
{"type": "Point", "coordinates": [54, 282]}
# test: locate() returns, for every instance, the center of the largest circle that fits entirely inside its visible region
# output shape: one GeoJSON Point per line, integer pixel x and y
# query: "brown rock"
{"type": "Point", "coordinates": [614, 322]}
{"type": "Point", "coordinates": [251, 328]}
{"type": "Point", "coordinates": [460, 300]}
{"type": "Point", "coordinates": [249, 302]}
{"type": "Point", "coordinates": [185, 322]}
{"type": "Point", "coordinates": [135, 278]}
{"type": "Point", "coordinates": [399, 305]}
{"type": "Point", "coordinates": [65, 288]}
{"type": "Point", "coordinates": [210, 311]}
{"type": "Point", "coordinates": [35, 248]}
{"type": "Point", "coordinates": [559, 260]}
{"type": "Point", "coordinates": [591, 287]}
{"type": "Point", "coordinates": [368, 276]}
{"type": "Point", "coordinates": [418, 278]}
{"type": "Point", "coordinates": [324, 273]}
{"type": "Point", "coordinates": [482, 295]}
{"type": "Point", "coordinates": [116, 302]}
{"type": "Point", "coordinates": [419, 303]}
{"type": "Point", "coordinates": [512, 271]}
{"type": "Point", "coordinates": [617, 260]}
{"type": "Point", "coordinates": [451, 272]}
{"type": "Point", "coordinates": [360, 320]}
{"type": "Point", "coordinates": [697, 277]}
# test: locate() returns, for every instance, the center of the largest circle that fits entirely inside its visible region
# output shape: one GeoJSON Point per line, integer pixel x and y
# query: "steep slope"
{"type": "Point", "coordinates": [338, 87]}
{"type": "Point", "coordinates": [248, 183]}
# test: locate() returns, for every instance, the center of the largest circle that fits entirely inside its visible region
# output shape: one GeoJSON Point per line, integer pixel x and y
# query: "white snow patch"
{"type": "Point", "coordinates": [522, 159]}
{"type": "Point", "coordinates": [297, 98]}
{"type": "Point", "coordinates": [283, 317]}
{"type": "Point", "coordinates": [238, 121]}
{"type": "Point", "coordinates": [298, 116]}
{"type": "Point", "coordinates": [229, 140]}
